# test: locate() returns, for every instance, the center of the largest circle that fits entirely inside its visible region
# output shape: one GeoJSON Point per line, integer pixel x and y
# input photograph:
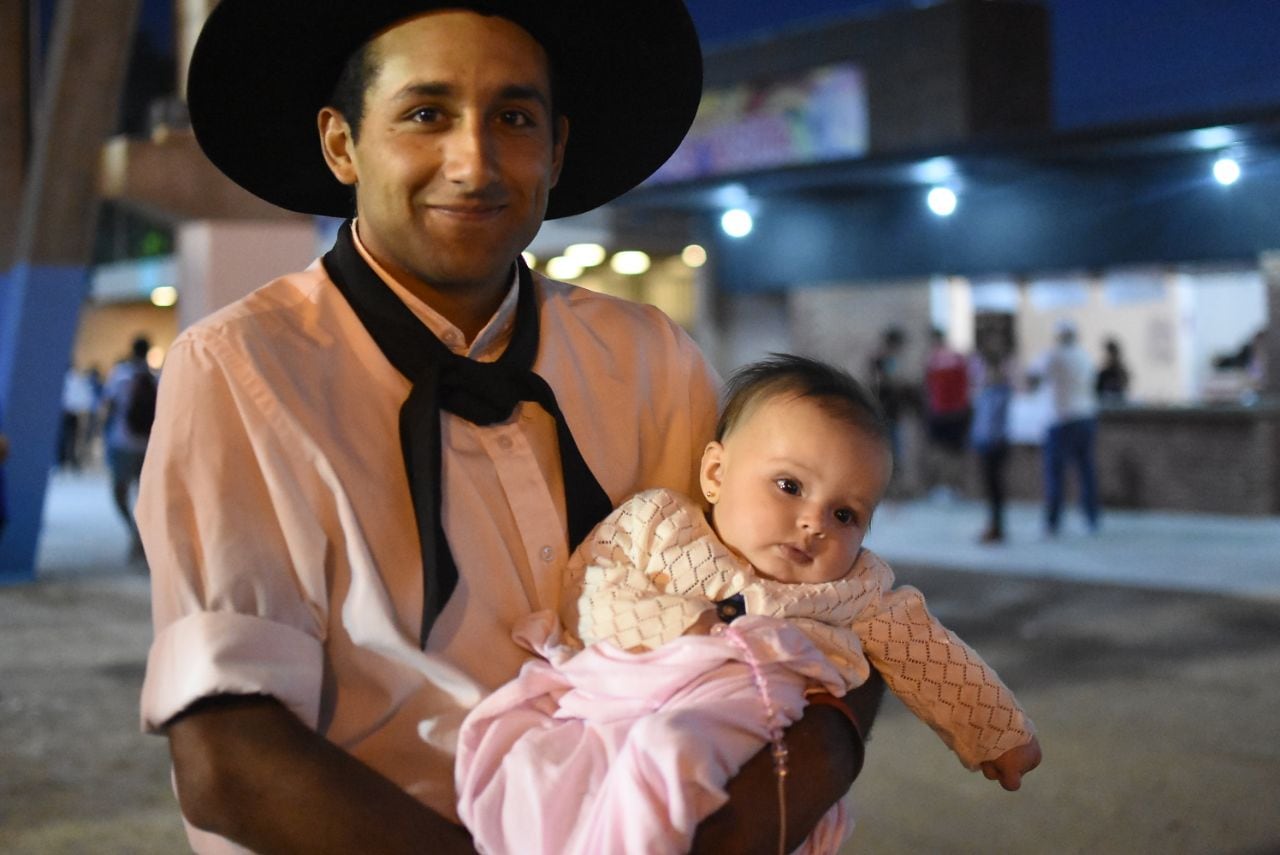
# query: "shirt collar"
{"type": "Point", "coordinates": [490, 341]}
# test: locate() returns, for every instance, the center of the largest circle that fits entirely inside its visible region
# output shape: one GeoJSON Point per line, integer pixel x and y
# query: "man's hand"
{"type": "Point", "coordinates": [825, 754]}
{"type": "Point", "coordinates": [246, 768]}
{"type": "Point", "coordinates": [4, 448]}
{"type": "Point", "coordinates": [1010, 766]}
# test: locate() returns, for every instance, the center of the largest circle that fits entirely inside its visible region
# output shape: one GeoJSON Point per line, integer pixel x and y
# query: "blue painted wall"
{"type": "Point", "coordinates": [38, 321]}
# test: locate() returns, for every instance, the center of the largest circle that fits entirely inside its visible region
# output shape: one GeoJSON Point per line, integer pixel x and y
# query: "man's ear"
{"type": "Point", "coordinates": [337, 144]}
{"type": "Point", "coordinates": [559, 140]}
{"type": "Point", "coordinates": [711, 471]}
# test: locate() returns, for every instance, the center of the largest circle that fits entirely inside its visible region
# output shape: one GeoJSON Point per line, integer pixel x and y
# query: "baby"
{"type": "Point", "coordinates": [690, 640]}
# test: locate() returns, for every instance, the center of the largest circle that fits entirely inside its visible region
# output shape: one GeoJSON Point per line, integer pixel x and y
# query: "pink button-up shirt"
{"type": "Point", "coordinates": [279, 529]}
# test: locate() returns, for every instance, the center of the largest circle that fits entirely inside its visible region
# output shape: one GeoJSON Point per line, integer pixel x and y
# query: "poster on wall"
{"type": "Point", "coordinates": [817, 116]}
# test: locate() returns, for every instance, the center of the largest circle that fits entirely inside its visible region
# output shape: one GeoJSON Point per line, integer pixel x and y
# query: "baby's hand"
{"type": "Point", "coordinates": [704, 623]}
{"type": "Point", "coordinates": [1010, 766]}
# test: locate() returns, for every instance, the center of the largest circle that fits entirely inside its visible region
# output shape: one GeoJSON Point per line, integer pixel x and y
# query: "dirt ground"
{"type": "Point", "coordinates": [1159, 714]}
{"type": "Point", "coordinates": [76, 775]}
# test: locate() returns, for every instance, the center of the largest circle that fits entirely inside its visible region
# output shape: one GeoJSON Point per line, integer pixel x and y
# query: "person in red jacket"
{"type": "Point", "coordinates": [947, 414]}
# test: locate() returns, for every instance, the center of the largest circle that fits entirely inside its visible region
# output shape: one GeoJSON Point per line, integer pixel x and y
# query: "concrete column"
{"type": "Point", "coordinates": [46, 285]}
{"type": "Point", "coordinates": [15, 127]}
{"type": "Point", "coordinates": [220, 261]}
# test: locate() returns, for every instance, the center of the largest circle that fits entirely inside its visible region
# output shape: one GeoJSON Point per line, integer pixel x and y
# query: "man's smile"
{"type": "Point", "coordinates": [467, 211]}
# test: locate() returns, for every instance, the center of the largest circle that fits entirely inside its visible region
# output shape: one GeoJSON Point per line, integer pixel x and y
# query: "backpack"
{"type": "Point", "coordinates": [140, 405]}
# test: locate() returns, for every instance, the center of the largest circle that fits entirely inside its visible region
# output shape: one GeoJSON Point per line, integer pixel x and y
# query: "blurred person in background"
{"type": "Point", "coordinates": [947, 414]}
{"type": "Point", "coordinates": [77, 408]}
{"type": "Point", "coordinates": [130, 400]}
{"type": "Point", "coordinates": [989, 432]}
{"type": "Point", "coordinates": [1068, 374]}
{"type": "Point", "coordinates": [889, 383]}
{"type": "Point", "coordinates": [1112, 384]}
{"type": "Point", "coordinates": [93, 434]}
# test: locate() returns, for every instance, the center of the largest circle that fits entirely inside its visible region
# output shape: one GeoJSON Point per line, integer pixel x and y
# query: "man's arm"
{"type": "Point", "coordinates": [824, 755]}
{"type": "Point", "coordinates": [247, 769]}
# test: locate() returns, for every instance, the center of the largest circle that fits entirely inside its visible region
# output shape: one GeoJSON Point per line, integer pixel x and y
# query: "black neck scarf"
{"type": "Point", "coordinates": [482, 393]}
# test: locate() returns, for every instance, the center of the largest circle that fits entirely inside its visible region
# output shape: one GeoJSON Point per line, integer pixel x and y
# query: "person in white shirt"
{"type": "Point", "coordinates": [1068, 372]}
{"type": "Point", "coordinates": [364, 473]}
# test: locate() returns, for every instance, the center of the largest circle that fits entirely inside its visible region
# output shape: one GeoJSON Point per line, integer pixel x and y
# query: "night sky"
{"type": "Point", "coordinates": [1115, 61]}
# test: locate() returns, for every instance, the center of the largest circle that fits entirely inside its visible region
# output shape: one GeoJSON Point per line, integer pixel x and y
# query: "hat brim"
{"type": "Point", "coordinates": [629, 76]}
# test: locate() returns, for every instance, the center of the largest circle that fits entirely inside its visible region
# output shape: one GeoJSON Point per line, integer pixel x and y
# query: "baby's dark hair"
{"type": "Point", "coordinates": [834, 389]}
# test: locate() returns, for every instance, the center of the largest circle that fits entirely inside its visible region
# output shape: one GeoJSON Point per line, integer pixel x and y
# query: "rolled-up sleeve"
{"type": "Point", "coordinates": [234, 541]}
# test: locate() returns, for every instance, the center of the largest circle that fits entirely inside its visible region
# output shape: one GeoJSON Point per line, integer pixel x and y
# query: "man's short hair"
{"type": "Point", "coordinates": [358, 74]}
{"type": "Point", "coordinates": [832, 388]}
{"type": "Point", "coordinates": [141, 347]}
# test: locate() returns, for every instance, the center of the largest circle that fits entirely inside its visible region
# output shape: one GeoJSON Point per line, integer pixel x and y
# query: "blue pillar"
{"type": "Point", "coordinates": [39, 314]}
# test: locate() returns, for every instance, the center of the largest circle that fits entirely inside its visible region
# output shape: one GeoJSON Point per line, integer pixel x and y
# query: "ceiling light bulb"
{"type": "Point", "coordinates": [586, 254]}
{"type": "Point", "coordinates": [737, 222]}
{"type": "Point", "coordinates": [693, 255]}
{"type": "Point", "coordinates": [1226, 170]}
{"type": "Point", "coordinates": [563, 268]}
{"type": "Point", "coordinates": [942, 201]}
{"type": "Point", "coordinates": [629, 262]}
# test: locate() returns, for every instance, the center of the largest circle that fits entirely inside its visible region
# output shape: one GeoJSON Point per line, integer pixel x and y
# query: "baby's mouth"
{"type": "Point", "coordinates": [796, 554]}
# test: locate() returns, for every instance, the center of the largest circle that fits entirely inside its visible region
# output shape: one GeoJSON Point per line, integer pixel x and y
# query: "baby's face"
{"type": "Point", "coordinates": [793, 489]}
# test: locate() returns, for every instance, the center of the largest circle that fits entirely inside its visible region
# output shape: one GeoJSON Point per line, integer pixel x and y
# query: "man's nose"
{"type": "Point", "coordinates": [469, 158]}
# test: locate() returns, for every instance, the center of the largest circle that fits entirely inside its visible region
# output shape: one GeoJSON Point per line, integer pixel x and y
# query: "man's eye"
{"type": "Point", "coordinates": [787, 485]}
{"type": "Point", "coordinates": [844, 516]}
{"type": "Point", "coordinates": [425, 115]}
{"type": "Point", "coordinates": [516, 118]}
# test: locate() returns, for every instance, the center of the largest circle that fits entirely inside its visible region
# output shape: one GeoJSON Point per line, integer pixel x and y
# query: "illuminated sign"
{"type": "Point", "coordinates": [818, 116]}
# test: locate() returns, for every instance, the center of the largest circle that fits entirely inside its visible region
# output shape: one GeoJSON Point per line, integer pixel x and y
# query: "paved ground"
{"type": "Point", "coordinates": [1148, 656]}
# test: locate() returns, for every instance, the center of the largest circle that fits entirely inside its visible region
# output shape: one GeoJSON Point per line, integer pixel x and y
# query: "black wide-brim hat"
{"type": "Point", "coordinates": [629, 77]}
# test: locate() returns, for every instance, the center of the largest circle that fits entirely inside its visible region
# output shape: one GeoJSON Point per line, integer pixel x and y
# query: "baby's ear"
{"type": "Point", "coordinates": [709, 473]}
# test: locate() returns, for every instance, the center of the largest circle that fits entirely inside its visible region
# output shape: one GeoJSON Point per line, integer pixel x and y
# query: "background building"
{"type": "Point", "coordinates": [925, 164]}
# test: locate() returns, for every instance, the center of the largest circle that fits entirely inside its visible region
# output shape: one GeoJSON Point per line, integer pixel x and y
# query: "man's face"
{"type": "Point", "coordinates": [795, 488]}
{"type": "Point", "coordinates": [456, 152]}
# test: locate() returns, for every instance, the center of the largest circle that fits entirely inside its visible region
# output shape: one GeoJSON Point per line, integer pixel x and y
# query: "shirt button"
{"type": "Point", "coordinates": [547, 553]}
{"type": "Point", "coordinates": [661, 579]}
{"type": "Point", "coordinates": [504, 442]}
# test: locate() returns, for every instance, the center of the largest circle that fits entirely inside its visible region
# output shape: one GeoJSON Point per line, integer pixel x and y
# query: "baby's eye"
{"type": "Point", "coordinates": [788, 485]}
{"type": "Point", "coordinates": [845, 516]}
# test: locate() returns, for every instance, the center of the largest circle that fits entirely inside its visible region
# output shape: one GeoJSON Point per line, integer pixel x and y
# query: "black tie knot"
{"type": "Point", "coordinates": [483, 393]}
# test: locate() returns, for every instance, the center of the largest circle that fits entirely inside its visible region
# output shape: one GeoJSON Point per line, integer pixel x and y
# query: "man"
{"type": "Point", "coordinates": [126, 440]}
{"type": "Point", "coordinates": [362, 474]}
{"type": "Point", "coordinates": [887, 381]}
{"type": "Point", "coordinates": [1073, 426]}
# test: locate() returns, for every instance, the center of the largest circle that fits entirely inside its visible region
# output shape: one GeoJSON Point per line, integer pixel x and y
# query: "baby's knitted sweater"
{"type": "Point", "coordinates": [646, 574]}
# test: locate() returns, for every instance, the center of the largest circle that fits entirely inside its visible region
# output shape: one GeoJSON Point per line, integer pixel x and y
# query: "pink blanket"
{"type": "Point", "coordinates": [604, 751]}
